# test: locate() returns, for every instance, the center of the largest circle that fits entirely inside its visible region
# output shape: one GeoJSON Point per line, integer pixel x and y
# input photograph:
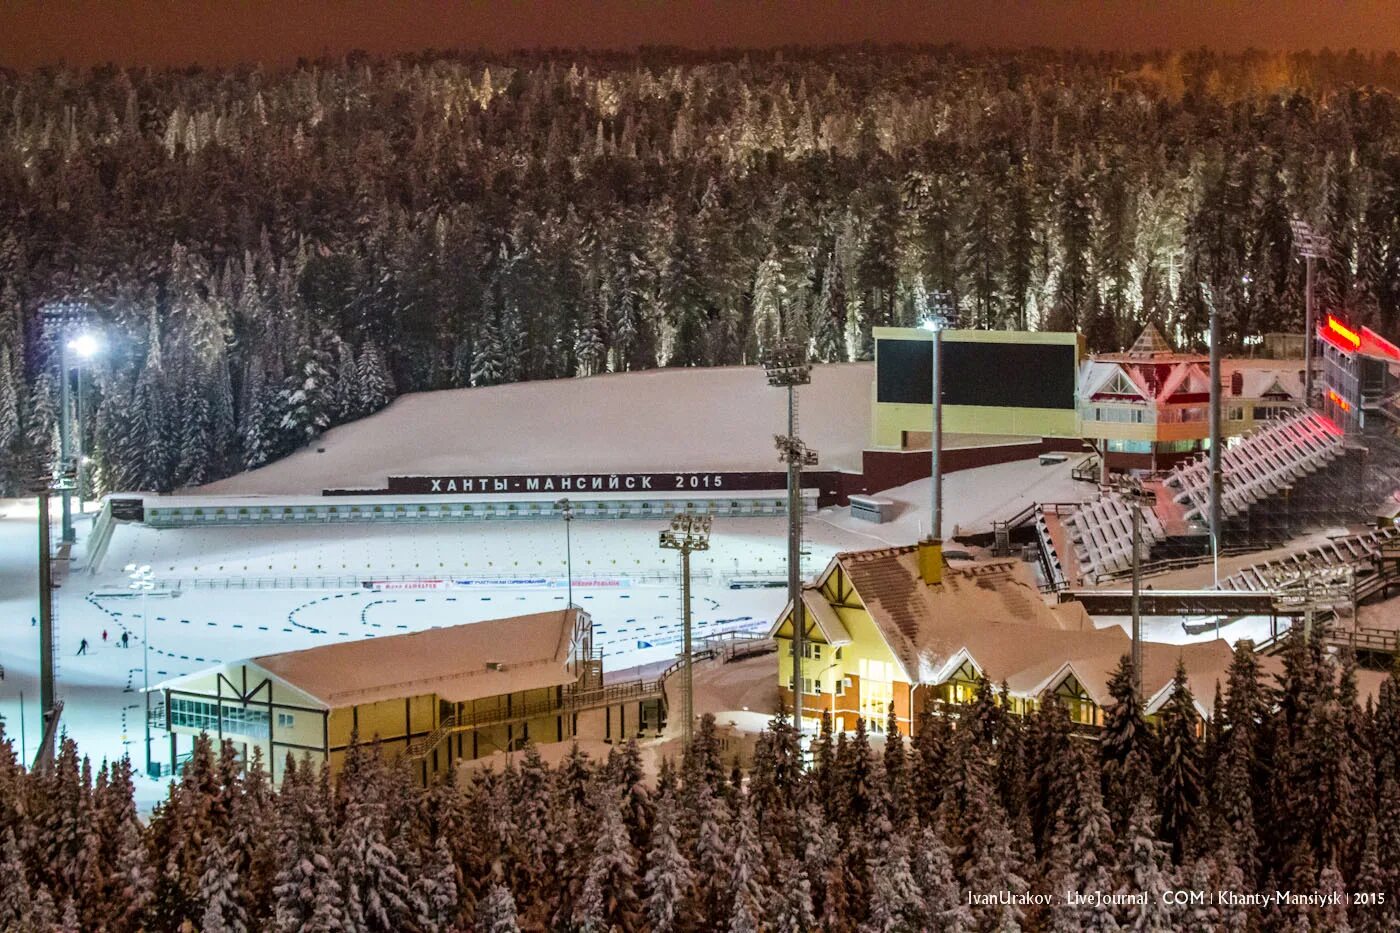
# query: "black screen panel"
{"type": "Point", "coordinates": [1009, 375]}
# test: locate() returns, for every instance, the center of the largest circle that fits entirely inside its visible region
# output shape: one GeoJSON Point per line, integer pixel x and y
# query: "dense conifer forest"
{"type": "Point", "coordinates": [268, 252]}
{"type": "Point", "coordinates": [1290, 786]}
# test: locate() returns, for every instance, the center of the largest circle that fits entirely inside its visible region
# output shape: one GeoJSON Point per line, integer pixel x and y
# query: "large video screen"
{"type": "Point", "coordinates": [1008, 375]}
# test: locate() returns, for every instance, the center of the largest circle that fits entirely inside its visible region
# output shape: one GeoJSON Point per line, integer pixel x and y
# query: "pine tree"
{"type": "Point", "coordinates": [609, 900]}
{"type": "Point", "coordinates": [1143, 865]}
{"type": "Point", "coordinates": [435, 890]}
{"type": "Point", "coordinates": [220, 894]}
{"type": "Point", "coordinates": [375, 384]}
{"type": "Point", "coordinates": [668, 879]}
{"type": "Point", "coordinates": [308, 895]}
{"type": "Point", "coordinates": [896, 903]}
{"type": "Point", "coordinates": [944, 902]}
{"type": "Point", "coordinates": [133, 884]}
{"type": "Point", "coordinates": [346, 405]}
{"type": "Point", "coordinates": [748, 889]}
{"type": "Point", "coordinates": [14, 885]}
{"type": "Point", "coordinates": [1125, 748]}
{"type": "Point", "coordinates": [305, 399]}
{"type": "Point", "coordinates": [496, 912]}
{"type": "Point", "coordinates": [376, 893]}
{"type": "Point", "coordinates": [1203, 917]}
{"type": "Point", "coordinates": [1179, 779]}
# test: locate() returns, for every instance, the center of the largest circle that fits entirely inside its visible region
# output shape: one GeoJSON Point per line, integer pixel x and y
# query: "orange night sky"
{"type": "Point", "coordinates": [85, 32]}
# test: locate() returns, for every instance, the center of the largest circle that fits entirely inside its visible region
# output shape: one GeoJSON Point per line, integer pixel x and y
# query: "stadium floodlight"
{"type": "Point", "coordinates": [1131, 489]}
{"type": "Point", "coordinates": [787, 364]}
{"type": "Point", "coordinates": [688, 532]}
{"type": "Point", "coordinates": [1312, 246]}
{"type": "Point", "coordinates": [85, 345]}
{"type": "Point", "coordinates": [143, 581]}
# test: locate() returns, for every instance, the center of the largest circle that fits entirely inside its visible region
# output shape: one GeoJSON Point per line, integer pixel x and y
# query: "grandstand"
{"type": "Point", "coordinates": [1291, 473]}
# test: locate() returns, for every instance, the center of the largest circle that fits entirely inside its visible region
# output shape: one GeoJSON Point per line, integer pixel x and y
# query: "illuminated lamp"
{"type": "Point", "coordinates": [1343, 403]}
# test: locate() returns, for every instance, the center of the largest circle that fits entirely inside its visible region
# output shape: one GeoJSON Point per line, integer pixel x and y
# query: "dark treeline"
{"type": "Point", "coordinates": [272, 252]}
{"type": "Point", "coordinates": [1292, 787]}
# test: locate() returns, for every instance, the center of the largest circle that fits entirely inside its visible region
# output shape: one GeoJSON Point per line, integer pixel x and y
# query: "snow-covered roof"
{"type": "Point", "coordinates": [990, 613]}
{"type": "Point", "coordinates": [458, 663]}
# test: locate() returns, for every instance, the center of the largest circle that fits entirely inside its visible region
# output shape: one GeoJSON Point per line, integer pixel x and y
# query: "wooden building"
{"type": "Point", "coordinates": [437, 696]}
{"type": "Point", "coordinates": [878, 633]}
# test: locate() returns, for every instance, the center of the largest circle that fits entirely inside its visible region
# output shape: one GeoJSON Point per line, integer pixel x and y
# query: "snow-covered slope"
{"type": "Point", "coordinates": [669, 419]}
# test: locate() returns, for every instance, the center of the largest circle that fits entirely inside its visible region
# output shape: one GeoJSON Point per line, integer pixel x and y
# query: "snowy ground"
{"type": "Point", "coordinates": [237, 610]}
{"type": "Point", "coordinates": [720, 418]}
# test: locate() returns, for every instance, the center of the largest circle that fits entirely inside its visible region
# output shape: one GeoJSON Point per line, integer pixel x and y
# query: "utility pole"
{"type": "Point", "coordinates": [688, 532]}
{"type": "Point", "coordinates": [1312, 246]}
{"type": "Point", "coordinates": [787, 366]}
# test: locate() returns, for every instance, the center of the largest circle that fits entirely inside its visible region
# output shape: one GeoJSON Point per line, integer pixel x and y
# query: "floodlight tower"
{"type": "Point", "coordinates": [788, 367]}
{"type": "Point", "coordinates": [143, 581]}
{"type": "Point", "coordinates": [1130, 488]}
{"type": "Point", "coordinates": [1312, 246]}
{"type": "Point", "coordinates": [68, 319]}
{"type": "Point", "coordinates": [688, 532]}
{"type": "Point", "coordinates": [50, 707]}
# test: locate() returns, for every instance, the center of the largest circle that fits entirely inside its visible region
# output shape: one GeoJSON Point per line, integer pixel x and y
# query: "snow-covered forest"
{"type": "Point", "coordinates": [269, 252]}
{"type": "Point", "coordinates": [1292, 787]}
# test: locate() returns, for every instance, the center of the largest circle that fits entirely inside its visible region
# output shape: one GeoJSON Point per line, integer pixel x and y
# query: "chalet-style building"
{"type": "Point", "coordinates": [436, 696]}
{"type": "Point", "coordinates": [880, 632]}
{"type": "Point", "coordinates": [1149, 407]}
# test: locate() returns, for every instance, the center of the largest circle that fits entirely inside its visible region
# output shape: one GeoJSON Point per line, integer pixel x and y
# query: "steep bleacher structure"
{"type": "Point", "coordinates": [1288, 475]}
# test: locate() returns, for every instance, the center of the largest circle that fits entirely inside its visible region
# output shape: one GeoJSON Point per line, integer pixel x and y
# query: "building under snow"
{"type": "Point", "coordinates": [880, 633]}
{"type": "Point", "coordinates": [436, 696]}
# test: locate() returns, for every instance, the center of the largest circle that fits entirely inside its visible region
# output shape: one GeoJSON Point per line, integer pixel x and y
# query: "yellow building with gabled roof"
{"type": "Point", "coordinates": [879, 635]}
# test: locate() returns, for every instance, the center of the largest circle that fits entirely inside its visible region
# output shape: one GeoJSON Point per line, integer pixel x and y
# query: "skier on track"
{"type": "Point", "coordinates": [82, 646]}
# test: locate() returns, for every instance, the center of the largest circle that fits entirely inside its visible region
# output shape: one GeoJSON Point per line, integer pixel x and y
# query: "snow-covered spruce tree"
{"type": "Point", "coordinates": [748, 893]}
{"type": "Point", "coordinates": [945, 904]}
{"type": "Point", "coordinates": [308, 897]}
{"type": "Point", "coordinates": [377, 896]}
{"type": "Point", "coordinates": [792, 910]}
{"type": "Point", "coordinates": [896, 900]}
{"type": "Point", "coordinates": [375, 384]}
{"type": "Point", "coordinates": [221, 895]}
{"type": "Point", "coordinates": [14, 885]}
{"type": "Point", "coordinates": [897, 797]}
{"type": "Point", "coordinates": [496, 912]}
{"type": "Point", "coordinates": [610, 897]}
{"type": "Point", "coordinates": [669, 881]}
{"type": "Point", "coordinates": [1205, 916]}
{"type": "Point", "coordinates": [1179, 778]}
{"type": "Point", "coordinates": [346, 394]}
{"type": "Point", "coordinates": [435, 890]}
{"type": "Point", "coordinates": [305, 398]}
{"type": "Point", "coordinates": [1144, 867]}
{"type": "Point", "coordinates": [132, 883]}
{"type": "Point", "coordinates": [1126, 746]}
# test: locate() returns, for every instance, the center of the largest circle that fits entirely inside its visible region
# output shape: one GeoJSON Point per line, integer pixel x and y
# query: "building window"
{"type": "Point", "coordinates": [284, 720]}
{"type": "Point", "coordinates": [1237, 383]}
{"type": "Point", "coordinates": [204, 716]}
{"type": "Point", "coordinates": [812, 650]}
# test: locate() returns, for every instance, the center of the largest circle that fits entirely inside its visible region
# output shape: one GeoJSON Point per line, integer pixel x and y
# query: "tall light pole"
{"type": "Point", "coordinates": [1312, 246]}
{"type": "Point", "coordinates": [1131, 490]}
{"type": "Point", "coordinates": [788, 367]}
{"type": "Point", "coordinates": [939, 316]}
{"type": "Point", "coordinates": [143, 582]}
{"type": "Point", "coordinates": [566, 508]}
{"type": "Point", "coordinates": [1217, 476]}
{"type": "Point", "coordinates": [84, 346]}
{"type": "Point", "coordinates": [688, 532]}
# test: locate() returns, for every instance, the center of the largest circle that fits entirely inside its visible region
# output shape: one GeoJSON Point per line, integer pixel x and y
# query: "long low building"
{"type": "Point", "coordinates": [436, 696]}
{"type": "Point", "coordinates": [883, 631]}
